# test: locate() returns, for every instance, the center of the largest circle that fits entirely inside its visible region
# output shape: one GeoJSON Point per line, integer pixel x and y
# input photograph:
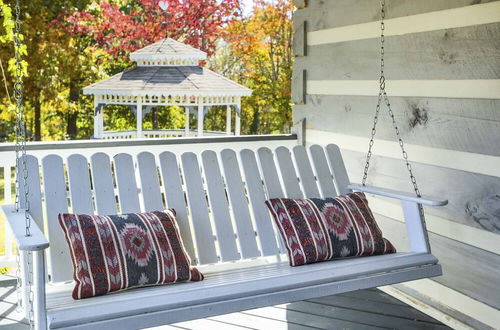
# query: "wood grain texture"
{"type": "Point", "coordinates": [476, 206]}
{"type": "Point", "coordinates": [461, 53]}
{"type": "Point", "coordinates": [462, 125]}
{"type": "Point", "coordinates": [329, 14]}
{"type": "Point", "coordinates": [54, 184]}
{"type": "Point", "coordinates": [467, 269]}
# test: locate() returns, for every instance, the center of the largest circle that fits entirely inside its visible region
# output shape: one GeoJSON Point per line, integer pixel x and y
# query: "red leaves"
{"type": "Point", "coordinates": [119, 30]}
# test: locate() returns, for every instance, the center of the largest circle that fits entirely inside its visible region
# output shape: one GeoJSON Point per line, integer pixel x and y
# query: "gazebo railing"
{"type": "Point", "coordinates": [158, 133]}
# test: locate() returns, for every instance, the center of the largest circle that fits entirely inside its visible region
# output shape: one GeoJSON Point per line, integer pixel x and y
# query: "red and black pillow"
{"type": "Point", "coordinates": [323, 229]}
{"type": "Point", "coordinates": [118, 252]}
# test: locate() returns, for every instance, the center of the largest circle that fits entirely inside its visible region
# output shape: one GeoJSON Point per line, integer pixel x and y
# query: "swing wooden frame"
{"type": "Point", "coordinates": [244, 265]}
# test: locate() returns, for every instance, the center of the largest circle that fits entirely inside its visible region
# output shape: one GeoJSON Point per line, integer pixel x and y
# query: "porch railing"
{"type": "Point", "coordinates": [158, 133]}
{"type": "Point", "coordinates": [113, 147]}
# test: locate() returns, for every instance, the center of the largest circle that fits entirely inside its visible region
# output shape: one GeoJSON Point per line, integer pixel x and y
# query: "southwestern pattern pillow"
{"type": "Point", "coordinates": [323, 229]}
{"type": "Point", "coordinates": [118, 252]}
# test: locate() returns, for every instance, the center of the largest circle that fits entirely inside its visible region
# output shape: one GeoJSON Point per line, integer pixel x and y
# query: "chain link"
{"type": "Point", "coordinates": [22, 170]}
{"type": "Point", "coordinates": [383, 95]}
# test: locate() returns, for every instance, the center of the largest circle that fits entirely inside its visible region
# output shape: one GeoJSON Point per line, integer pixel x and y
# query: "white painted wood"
{"type": "Point", "coordinates": [233, 291]}
{"type": "Point", "coordinates": [228, 120]}
{"type": "Point", "coordinates": [476, 237]}
{"type": "Point", "coordinates": [459, 160]}
{"type": "Point", "coordinates": [200, 120]}
{"type": "Point", "coordinates": [138, 116]}
{"type": "Point", "coordinates": [466, 88]}
{"type": "Point", "coordinates": [272, 185]}
{"type": "Point", "coordinates": [338, 169]}
{"type": "Point", "coordinates": [456, 300]}
{"type": "Point", "coordinates": [239, 204]}
{"type": "Point", "coordinates": [257, 198]}
{"type": "Point", "coordinates": [8, 199]}
{"type": "Point", "coordinates": [443, 19]}
{"type": "Point", "coordinates": [150, 182]}
{"type": "Point", "coordinates": [307, 178]}
{"type": "Point", "coordinates": [288, 173]}
{"type": "Point", "coordinates": [270, 173]}
{"type": "Point", "coordinates": [15, 220]}
{"type": "Point", "coordinates": [128, 194]}
{"type": "Point", "coordinates": [34, 191]}
{"type": "Point", "coordinates": [54, 183]}
{"type": "Point", "coordinates": [79, 185]}
{"type": "Point", "coordinates": [400, 195]}
{"type": "Point", "coordinates": [325, 177]}
{"type": "Point", "coordinates": [219, 206]}
{"type": "Point", "coordinates": [175, 197]}
{"type": "Point", "coordinates": [237, 124]}
{"type": "Point", "coordinates": [186, 125]}
{"type": "Point", "coordinates": [102, 179]}
{"type": "Point", "coordinates": [197, 202]}
{"type": "Point", "coordinates": [415, 226]}
{"type": "Point", "coordinates": [425, 308]}
{"type": "Point", "coordinates": [39, 305]}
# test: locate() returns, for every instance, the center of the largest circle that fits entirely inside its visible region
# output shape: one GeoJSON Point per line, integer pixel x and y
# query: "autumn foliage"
{"type": "Point", "coordinates": [121, 27]}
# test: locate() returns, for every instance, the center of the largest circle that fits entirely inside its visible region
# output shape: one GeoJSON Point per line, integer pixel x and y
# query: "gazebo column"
{"type": "Point", "coordinates": [98, 120]}
{"type": "Point", "coordinates": [139, 119]}
{"type": "Point", "coordinates": [200, 120]}
{"type": "Point", "coordinates": [186, 129]}
{"type": "Point", "coordinates": [237, 129]}
{"type": "Point", "coordinates": [228, 120]}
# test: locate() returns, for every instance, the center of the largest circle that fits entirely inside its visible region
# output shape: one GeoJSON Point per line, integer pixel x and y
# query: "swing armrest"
{"type": "Point", "coordinates": [399, 195]}
{"type": "Point", "coordinates": [16, 221]}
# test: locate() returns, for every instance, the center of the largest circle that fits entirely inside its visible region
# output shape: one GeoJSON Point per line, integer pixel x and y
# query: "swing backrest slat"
{"type": "Point", "coordinates": [128, 194]}
{"type": "Point", "coordinates": [79, 185]}
{"type": "Point", "coordinates": [323, 173]}
{"type": "Point", "coordinates": [150, 183]}
{"type": "Point", "coordinates": [226, 237]}
{"type": "Point", "coordinates": [56, 202]}
{"type": "Point", "coordinates": [257, 197]}
{"type": "Point", "coordinates": [339, 171]}
{"type": "Point", "coordinates": [175, 197]}
{"type": "Point", "coordinates": [102, 179]}
{"type": "Point", "coordinates": [218, 197]}
{"type": "Point", "coordinates": [288, 174]}
{"type": "Point", "coordinates": [198, 207]}
{"type": "Point", "coordinates": [239, 205]}
{"type": "Point", "coordinates": [34, 190]}
{"type": "Point", "coordinates": [306, 174]}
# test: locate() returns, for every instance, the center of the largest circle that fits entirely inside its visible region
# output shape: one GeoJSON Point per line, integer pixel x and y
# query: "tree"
{"type": "Point", "coordinates": [120, 27]}
{"type": "Point", "coordinates": [263, 45]}
{"type": "Point", "coordinates": [110, 30]}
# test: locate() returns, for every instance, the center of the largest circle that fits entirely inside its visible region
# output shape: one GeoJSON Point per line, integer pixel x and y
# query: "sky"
{"type": "Point", "coordinates": [248, 4]}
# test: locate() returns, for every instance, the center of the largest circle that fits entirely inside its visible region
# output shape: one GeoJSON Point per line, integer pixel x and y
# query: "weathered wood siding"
{"type": "Point", "coordinates": [443, 66]}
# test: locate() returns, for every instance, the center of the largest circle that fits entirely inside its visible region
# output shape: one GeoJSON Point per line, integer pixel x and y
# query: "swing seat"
{"type": "Point", "coordinates": [226, 228]}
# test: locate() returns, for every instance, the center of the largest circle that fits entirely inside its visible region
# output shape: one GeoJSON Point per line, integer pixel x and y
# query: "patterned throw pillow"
{"type": "Point", "coordinates": [118, 252]}
{"type": "Point", "coordinates": [323, 229]}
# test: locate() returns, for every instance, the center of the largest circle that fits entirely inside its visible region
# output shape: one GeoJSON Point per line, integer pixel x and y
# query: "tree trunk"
{"type": "Point", "coordinates": [37, 105]}
{"type": "Point", "coordinates": [74, 96]}
{"type": "Point", "coordinates": [255, 122]}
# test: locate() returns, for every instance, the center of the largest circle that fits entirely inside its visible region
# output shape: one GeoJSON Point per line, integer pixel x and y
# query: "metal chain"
{"type": "Point", "coordinates": [383, 95]}
{"type": "Point", "coordinates": [22, 168]}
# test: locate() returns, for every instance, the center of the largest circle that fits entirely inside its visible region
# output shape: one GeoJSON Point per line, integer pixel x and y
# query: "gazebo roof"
{"type": "Point", "coordinates": [168, 81]}
{"type": "Point", "coordinates": [168, 52]}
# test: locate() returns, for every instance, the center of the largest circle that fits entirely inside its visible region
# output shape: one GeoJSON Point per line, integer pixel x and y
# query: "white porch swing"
{"type": "Point", "coordinates": [233, 281]}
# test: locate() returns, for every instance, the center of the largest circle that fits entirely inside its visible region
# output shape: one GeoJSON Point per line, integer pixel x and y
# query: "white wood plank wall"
{"type": "Point", "coordinates": [443, 78]}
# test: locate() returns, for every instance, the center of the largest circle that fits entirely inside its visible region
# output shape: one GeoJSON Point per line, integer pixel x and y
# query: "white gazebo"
{"type": "Point", "coordinates": [167, 73]}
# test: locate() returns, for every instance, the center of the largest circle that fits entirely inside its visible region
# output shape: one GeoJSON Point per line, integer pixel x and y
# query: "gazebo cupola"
{"type": "Point", "coordinates": [167, 73]}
